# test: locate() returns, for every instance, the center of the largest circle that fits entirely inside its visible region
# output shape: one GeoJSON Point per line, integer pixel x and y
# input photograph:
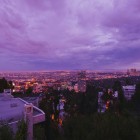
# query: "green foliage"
{"type": "Point", "coordinates": [4, 84]}
{"type": "Point", "coordinates": [21, 133]}
{"type": "Point", "coordinates": [81, 103]}
{"type": "Point", "coordinates": [5, 133]}
{"type": "Point", "coordinates": [136, 97]}
{"type": "Point", "coordinates": [76, 128]}
{"type": "Point", "coordinates": [135, 102]}
{"type": "Point", "coordinates": [101, 127]}
{"type": "Point", "coordinates": [29, 91]}
{"type": "Point", "coordinates": [39, 132]}
{"type": "Point", "coordinates": [122, 101]}
{"type": "Point", "coordinates": [51, 126]}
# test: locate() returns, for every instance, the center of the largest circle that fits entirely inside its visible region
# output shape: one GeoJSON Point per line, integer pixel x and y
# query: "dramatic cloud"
{"type": "Point", "coordinates": [69, 34]}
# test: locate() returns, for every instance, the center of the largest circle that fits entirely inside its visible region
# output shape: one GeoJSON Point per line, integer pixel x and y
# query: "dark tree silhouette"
{"type": "Point", "coordinates": [4, 85]}
{"type": "Point", "coordinates": [101, 127]}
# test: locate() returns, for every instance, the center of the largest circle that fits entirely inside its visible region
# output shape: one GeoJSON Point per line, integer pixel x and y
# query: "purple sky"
{"type": "Point", "coordinates": [69, 34]}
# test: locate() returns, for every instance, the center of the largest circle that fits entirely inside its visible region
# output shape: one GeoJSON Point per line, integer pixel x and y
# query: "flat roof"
{"type": "Point", "coordinates": [12, 109]}
{"type": "Point", "coordinates": [131, 87]}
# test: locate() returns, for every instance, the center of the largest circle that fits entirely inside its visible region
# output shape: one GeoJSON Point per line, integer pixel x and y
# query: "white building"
{"type": "Point", "coordinates": [8, 91]}
{"type": "Point", "coordinates": [12, 110]}
{"type": "Point", "coordinates": [101, 104]}
{"type": "Point", "coordinates": [115, 94]}
{"type": "Point", "coordinates": [62, 112]}
{"type": "Point", "coordinates": [129, 91]}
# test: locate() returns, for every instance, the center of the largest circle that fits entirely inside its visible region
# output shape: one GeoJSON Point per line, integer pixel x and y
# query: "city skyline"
{"type": "Point", "coordinates": [69, 35]}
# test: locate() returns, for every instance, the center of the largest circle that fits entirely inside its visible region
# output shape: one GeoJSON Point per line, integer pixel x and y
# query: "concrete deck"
{"type": "Point", "coordinates": [12, 109]}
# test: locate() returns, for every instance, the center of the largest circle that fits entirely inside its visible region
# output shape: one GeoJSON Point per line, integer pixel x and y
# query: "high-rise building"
{"type": "Point", "coordinates": [132, 72]}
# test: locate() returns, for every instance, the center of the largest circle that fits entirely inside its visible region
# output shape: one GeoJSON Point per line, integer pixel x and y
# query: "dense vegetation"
{"type": "Point", "coordinates": [6, 132]}
{"type": "Point", "coordinates": [4, 84]}
{"type": "Point", "coordinates": [120, 122]}
{"type": "Point", "coordinates": [101, 127]}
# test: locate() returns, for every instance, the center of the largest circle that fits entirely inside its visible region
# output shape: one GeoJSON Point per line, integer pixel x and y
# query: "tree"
{"type": "Point", "coordinates": [39, 132]}
{"type": "Point", "coordinates": [122, 102]}
{"type": "Point", "coordinates": [21, 133]}
{"type": "Point", "coordinates": [136, 97]}
{"type": "Point", "coordinates": [4, 84]}
{"type": "Point", "coordinates": [81, 103]}
{"type": "Point", "coordinates": [51, 126]}
{"type": "Point", "coordinates": [29, 91]}
{"type": "Point", "coordinates": [5, 132]}
{"type": "Point", "coordinates": [101, 127]}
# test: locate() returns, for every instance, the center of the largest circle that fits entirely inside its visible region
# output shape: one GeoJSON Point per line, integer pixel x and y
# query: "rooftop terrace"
{"type": "Point", "coordinates": [12, 109]}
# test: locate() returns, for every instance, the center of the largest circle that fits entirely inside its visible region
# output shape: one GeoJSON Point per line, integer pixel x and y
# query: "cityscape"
{"type": "Point", "coordinates": [69, 70]}
{"type": "Point", "coordinates": [38, 101]}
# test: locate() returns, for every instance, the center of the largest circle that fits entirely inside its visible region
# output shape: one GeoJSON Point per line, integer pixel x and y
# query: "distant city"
{"type": "Point", "coordinates": [39, 81]}
{"type": "Point", "coordinates": [38, 100]}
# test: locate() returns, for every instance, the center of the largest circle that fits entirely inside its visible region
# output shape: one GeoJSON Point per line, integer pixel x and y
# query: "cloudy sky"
{"type": "Point", "coordinates": [69, 34]}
